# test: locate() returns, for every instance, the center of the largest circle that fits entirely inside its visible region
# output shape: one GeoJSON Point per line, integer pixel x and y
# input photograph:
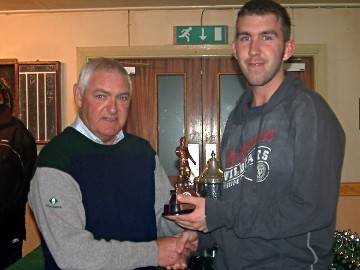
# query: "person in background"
{"type": "Point", "coordinates": [282, 153]}
{"type": "Point", "coordinates": [17, 160]}
{"type": "Point", "coordinates": [98, 192]}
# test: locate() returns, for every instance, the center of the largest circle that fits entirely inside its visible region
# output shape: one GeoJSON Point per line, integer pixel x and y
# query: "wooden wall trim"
{"type": "Point", "coordinates": [317, 51]}
{"type": "Point", "coordinates": [350, 189]}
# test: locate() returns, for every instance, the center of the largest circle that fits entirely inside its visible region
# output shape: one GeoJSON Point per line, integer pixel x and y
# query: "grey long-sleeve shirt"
{"type": "Point", "coordinates": [56, 201]}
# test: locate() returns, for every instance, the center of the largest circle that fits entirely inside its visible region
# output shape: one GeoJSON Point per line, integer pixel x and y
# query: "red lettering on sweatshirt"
{"type": "Point", "coordinates": [234, 157]}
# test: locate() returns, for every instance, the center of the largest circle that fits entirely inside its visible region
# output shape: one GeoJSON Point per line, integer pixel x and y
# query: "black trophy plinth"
{"type": "Point", "coordinates": [176, 208]}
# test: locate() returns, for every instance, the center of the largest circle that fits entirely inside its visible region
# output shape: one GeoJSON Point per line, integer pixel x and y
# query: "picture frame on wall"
{"type": "Point", "coordinates": [39, 98]}
{"type": "Point", "coordinates": [35, 88]}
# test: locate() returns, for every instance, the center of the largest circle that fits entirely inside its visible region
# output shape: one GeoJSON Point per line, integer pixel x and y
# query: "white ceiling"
{"type": "Point", "coordinates": [43, 5]}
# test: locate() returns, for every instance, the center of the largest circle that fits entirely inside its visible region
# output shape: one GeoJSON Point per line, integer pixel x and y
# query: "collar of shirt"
{"type": "Point", "coordinates": [80, 126]}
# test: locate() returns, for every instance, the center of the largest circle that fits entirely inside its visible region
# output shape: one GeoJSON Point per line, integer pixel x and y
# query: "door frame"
{"type": "Point", "coordinates": [317, 51]}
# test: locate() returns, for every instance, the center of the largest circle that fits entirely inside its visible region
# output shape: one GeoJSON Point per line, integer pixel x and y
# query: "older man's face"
{"type": "Point", "coordinates": [104, 105]}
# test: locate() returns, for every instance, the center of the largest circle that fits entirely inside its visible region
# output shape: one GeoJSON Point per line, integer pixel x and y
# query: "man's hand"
{"type": "Point", "coordinates": [186, 246]}
{"type": "Point", "coordinates": [187, 243]}
{"type": "Point", "coordinates": [169, 256]}
{"type": "Point", "coordinates": [195, 220]}
{"type": "Point", "coordinates": [174, 255]}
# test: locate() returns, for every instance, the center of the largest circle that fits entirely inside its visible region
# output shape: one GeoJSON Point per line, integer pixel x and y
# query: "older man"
{"type": "Point", "coordinates": [98, 192]}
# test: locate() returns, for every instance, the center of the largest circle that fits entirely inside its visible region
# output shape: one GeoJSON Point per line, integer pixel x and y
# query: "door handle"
{"type": "Point", "coordinates": [194, 150]}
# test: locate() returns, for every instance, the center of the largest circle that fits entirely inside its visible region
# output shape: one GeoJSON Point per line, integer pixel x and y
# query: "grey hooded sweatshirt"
{"type": "Point", "coordinates": [282, 215]}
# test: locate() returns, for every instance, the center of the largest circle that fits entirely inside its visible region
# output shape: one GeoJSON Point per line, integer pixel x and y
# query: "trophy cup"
{"type": "Point", "coordinates": [209, 184]}
{"type": "Point", "coordinates": [183, 183]}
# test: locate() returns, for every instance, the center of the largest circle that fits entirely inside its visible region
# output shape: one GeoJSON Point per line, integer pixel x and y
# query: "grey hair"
{"type": "Point", "coordinates": [101, 63]}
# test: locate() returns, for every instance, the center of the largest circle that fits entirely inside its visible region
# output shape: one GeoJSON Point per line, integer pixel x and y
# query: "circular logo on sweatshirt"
{"type": "Point", "coordinates": [262, 171]}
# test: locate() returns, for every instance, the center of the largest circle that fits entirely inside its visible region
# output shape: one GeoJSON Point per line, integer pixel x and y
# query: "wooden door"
{"type": "Point", "coordinates": [143, 116]}
{"type": "Point", "coordinates": [202, 82]}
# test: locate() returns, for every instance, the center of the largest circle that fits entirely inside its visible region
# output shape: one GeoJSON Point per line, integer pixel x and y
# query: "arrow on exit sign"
{"type": "Point", "coordinates": [195, 34]}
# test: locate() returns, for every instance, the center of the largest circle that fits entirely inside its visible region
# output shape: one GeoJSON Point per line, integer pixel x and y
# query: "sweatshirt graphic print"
{"type": "Point", "coordinates": [238, 162]}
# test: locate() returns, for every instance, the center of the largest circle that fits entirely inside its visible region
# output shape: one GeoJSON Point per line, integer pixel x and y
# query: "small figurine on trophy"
{"type": "Point", "coordinates": [184, 169]}
{"type": "Point", "coordinates": [183, 183]}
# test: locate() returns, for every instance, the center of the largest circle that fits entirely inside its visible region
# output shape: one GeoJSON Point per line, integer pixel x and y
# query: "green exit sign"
{"type": "Point", "coordinates": [195, 34]}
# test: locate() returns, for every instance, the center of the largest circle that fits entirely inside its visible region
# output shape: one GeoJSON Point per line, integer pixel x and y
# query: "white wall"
{"type": "Point", "coordinates": [339, 29]}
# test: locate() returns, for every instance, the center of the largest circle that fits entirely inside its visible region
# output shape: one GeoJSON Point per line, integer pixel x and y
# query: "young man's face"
{"type": "Point", "coordinates": [260, 49]}
{"type": "Point", "coordinates": [104, 105]}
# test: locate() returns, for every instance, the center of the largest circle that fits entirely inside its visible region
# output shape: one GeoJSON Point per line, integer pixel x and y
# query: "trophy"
{"type": "Point", "coordinates": [183, 184]}
{"type": "Point", "coordinates": [209, 184]}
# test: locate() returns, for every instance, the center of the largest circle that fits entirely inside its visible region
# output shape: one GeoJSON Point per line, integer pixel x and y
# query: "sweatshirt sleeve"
{"type": "Point", "coordinates": [29, 153]}
{"type": "Point", "coordinates": [310, 203]}
{"type": "Point", "coordinates": [56, 201]}
{"type": "Point", "coordinates": [206, 241]}
{"type": "Point", "coordinates": [165, 227]}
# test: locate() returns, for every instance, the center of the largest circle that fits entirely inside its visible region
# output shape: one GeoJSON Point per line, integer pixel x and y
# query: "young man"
{"type": "Point", "coordinates": [98, 192]}
{"type": "Point", "coordinates": [282, 153]}
{"type": "Point", "coordinates": [17, 160]}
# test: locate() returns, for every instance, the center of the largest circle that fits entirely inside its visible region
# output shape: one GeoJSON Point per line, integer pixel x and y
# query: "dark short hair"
{"type": "Point", "coordinates": [266, 7]}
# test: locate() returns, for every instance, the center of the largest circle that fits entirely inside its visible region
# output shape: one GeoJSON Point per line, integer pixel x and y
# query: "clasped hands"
{"type": "Point", "coordinates": [175, 250]}
{"type": "Point", "coordinates": [186, 242]}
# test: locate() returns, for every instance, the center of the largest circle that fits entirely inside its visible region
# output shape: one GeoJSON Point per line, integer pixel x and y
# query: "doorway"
{"type": "Point", "coordinates": [191, 97]}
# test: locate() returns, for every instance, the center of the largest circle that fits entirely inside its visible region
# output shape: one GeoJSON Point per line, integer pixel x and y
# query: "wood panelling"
{"type": "Point", "coordinates": [213, 68]}
{"type": "Point", "coordinates": [350, 189]}
{"type": "Point", "coordinates": [143, 113]}
{"type": "Point", "coordinates": [308, 75]}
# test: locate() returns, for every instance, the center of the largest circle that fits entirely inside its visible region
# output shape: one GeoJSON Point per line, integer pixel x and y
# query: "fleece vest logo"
{"type": "Point", "coordinates": [244, 169]}
{"type": "Point", "coordinates": [53, 202]}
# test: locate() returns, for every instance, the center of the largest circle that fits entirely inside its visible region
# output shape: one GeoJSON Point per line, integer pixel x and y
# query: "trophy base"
{"type": "Point", "coordinates": [177, 209]}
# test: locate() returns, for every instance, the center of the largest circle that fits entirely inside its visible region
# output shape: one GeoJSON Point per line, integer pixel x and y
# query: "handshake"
{"type": "Point", "coordinates": [174, 250]}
